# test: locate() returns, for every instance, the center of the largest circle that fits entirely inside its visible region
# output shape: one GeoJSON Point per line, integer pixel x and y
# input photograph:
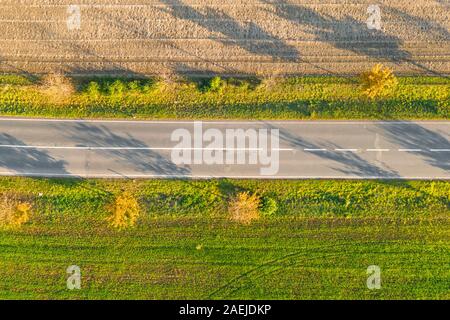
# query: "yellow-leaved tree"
{"type": "Point", "coordinates": [13, 212]}
{"type": "Point", "coordinates": [378, 82]}
{"type": "Point", "coordinates": [125, 211]}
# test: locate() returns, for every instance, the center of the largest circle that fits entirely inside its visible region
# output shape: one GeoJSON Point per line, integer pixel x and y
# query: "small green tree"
{"type": "Point", "coordinates": [216, 84]}
{"type": "Point", "coordinates": [93, 90]}
{"type": "Point", "coordinates": [268, 206]}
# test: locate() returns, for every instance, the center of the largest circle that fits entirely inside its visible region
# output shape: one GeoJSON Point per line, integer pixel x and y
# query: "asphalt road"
{"type": "Point", "coordinates": [144, 149]}
{"type": "Point", "coordinates": [251, 37]}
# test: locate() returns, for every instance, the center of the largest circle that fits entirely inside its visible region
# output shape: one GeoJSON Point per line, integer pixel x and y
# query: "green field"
{"type": "Point", "coordinates": [318, 244]}
{"type": "Point", "coordinates": [278, 98]}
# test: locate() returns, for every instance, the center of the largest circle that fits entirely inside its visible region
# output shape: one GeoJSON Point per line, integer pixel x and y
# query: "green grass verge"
{"type": "Point", "coordinates": [318, 244]}
{"type": "Point", "coordinates": [285, 98]}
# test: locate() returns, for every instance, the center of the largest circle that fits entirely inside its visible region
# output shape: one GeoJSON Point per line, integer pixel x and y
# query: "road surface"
{"type": "Point", "coordinates": [249, 37]}
{"type": "Point", "coordinates": [144, 149]}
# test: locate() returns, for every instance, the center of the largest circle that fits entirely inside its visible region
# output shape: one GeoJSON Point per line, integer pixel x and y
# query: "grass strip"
{"type": "Point", "coordinates": [216, 98]}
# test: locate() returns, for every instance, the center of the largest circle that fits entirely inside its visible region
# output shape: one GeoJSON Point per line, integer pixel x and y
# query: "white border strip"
{"type": "Point", "coordinates": [224, 122]}
{"type": "Point", "coordinates": [193, 177]}
{"type": "Point", "coordinates": [12, 146]}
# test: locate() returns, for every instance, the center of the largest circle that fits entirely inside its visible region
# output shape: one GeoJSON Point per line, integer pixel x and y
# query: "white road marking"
{"type": "Point", "coordinates": [136, 148]}
{"type": "Point", "coordinates": [210, 149]}
{"type": "Point", "coordinates": [224, 122]}
{"type": "Point", "coordinates": [180, 176]}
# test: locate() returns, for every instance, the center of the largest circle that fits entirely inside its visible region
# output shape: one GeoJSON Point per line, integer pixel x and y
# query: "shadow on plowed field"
{"type": "Point", "coordinates": [253, 46]}
{"type": "Point", "coordinates": [383, 46]}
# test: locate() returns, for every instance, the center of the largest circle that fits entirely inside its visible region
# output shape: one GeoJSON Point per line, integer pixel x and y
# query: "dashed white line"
{"type": "Point", "coordinates": [136, 148]}
{"type": "Point", "coordinates": [312, 150]}
{"type": "Point", "coordinates": [347, 150]}
{"type": "Point", "coordinates": [440, 150]}
{"type": "Point", "coordinates": [410, 150]}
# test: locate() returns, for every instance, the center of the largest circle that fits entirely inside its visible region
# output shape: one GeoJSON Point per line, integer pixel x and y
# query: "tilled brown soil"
{"type": "Point", "coordinates": [262, 37]}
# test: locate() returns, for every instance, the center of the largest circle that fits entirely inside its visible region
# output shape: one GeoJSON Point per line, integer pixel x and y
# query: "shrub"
{"type": "Point", "coordinates": [93, 90]}
{"type": "Point", "coordinates": [13, 212]}
{"type": "Point", "coordinates": [135, 86]}
{"type": "Point", "coordinates": [244, 208]}
{"type": "Point", "coordinates": [270, 83]}
{"type": "Point", "coordinates": [268, 206]}
{"type": "Point", "coordinates": [58, 87]}
{"type": "Point", "coordinates": [16, 79]}
{"type": "Point", "coordinates": [125, 211]}
{"type": "Point", "coordinates": [215, 84]}
{"type": "Point", "coordinates": [378, 81]}
{"type": "Point", "coordinates": [117, 88]}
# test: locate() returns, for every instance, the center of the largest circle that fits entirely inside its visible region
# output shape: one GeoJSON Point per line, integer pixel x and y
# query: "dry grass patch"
{"type": "Point", "coordinates": [125, 211]}
{"type": "Point", "coordinates": [379, 81]}
{"type": "Point", "coordinates": [13, 211]}
{"type": "Point", "coordinates": [244, 208]}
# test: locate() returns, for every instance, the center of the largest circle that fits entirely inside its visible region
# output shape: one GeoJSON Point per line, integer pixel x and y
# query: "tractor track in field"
{"type": "Point", "coordinates": [275, 265]}
{"type": "Point", "coordinates": [278, 264]}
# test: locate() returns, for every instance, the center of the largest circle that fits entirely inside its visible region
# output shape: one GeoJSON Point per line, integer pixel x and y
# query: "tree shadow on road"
{"type": "Point", "coordinates": [140, 158]}
{"type": "Point", "coordinates": [28, 161]}
{"type": "Point", "coordinates": [412, 136]}
{"type": "Point", "coordinates": [350, 163]}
